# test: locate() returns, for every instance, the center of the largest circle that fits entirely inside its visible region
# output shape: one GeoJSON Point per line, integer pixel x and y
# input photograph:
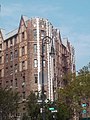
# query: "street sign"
{"type": "Point", "coordinates": [54, 111]}
{"type": "Point", "coordinates": [51, 109]}
{"type": "Point", "coordinates": [39, 101]}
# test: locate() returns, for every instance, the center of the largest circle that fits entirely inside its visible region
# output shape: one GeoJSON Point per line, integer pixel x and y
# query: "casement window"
{"type": "Point", "coordinates": [23, 35]}
{"type": "Point", "coordinates": [42, 34]}
{"type": "Point", "coordinates": [44, 63]}
{"type": "Point", "coordinates": [11, 67]}
{"type": "Point", "coordinates": [0, 46]}
{"type": "Point", "coordinates": [23, 95]}
{"type": "Point", "coordinates": [16, 82]}
{"type": "Point", "coordinates": [15, 40]}
{"type": "Point", "coordinates": [23, 82]}
{"type": "Point", "coordinates": [23, 78]}
{"type": "Point", "coordinates": [6, 44]}
{"type": "Point", "coordinates": [11, 82]}
{"type": "Point", "coordinates": [36, 78]}
{"type": "Point", "coordinates": [35, 34]}
{"type": "Point", "coordinates": [35, 63]}
{"type": "Point", "coordinates": [44, 48]}
{"type": "Point", "coordinates": [11, 56]}
{"type": "Point", "coordinates": [0, 60]}
{"type": "Point", "coordinates": [16, 54]}
{"type": "Point", "coordinates": [0, 73]}
{"type": "Point", "coordinates": [23, 50]}
{"type": "Point", "coordinates": [6, 58]}
{"type": "Point", "coordinates": [35, 48]}
{"type": "Point", "coordinates": [42, 24]}
{"type": "Point", "coordinates": [16, 67]}
{"type": "Point", "coordinates": [6, 69]}
{"type": "Point", "coordinates": [0, 84]}
{"type": "Point", "coordinates": [23, 65]}
{"type": "Point", "coordinates": [7, 84]}
{"type": "Point", "coordinates": [11, 42]}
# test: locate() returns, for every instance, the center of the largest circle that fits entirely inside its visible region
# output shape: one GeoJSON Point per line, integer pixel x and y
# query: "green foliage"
{"type": "Point", "coordinates": [25, 117]}
{"type": "Point", "coordinates": [8, 103]}
{"type": "Point", "coordinates": [63, 111]}
{"type": "Point", "coordinates": [32, 107]}
{"type": "Point", "coordinates": [77, 89]}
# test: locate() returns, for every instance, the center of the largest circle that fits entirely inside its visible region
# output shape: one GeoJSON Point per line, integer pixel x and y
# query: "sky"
{"type": "Point", "coordinates": [71, 17]}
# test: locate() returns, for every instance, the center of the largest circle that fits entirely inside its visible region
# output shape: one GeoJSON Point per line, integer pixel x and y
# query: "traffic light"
{"type": "Point", "coordinates": [84, 111]}
{"type": "Point", "coordinates": [84, 104]}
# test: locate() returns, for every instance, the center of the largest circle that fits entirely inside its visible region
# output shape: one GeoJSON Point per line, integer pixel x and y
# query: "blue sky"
{"type": "Point", "coordinates": [72, 17]}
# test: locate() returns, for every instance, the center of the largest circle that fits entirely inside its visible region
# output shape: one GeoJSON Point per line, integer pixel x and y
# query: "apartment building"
{"type": "Point", "coordinates": [21, 61]}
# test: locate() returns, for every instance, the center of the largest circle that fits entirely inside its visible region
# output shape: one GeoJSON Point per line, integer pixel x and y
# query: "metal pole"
{"type": "Point", "coordinates": [43, 107]}
{"type": "Point", "coordinates": [45, 41]}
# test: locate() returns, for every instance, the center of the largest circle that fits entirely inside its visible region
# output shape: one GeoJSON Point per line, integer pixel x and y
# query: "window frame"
{"type": "Point", "coordinates": [35, 63]}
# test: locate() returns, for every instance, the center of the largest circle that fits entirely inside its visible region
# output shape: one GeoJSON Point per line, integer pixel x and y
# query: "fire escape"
{"type": "Point", "coordinates": [65, 68]}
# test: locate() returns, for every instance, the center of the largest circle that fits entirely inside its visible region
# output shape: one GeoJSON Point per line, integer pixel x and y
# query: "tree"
{"type": "Point", "coordinates": [8, 104]}
{"type": "Point", "coordinates": [33, 108]}
{"type": "Point", "coordinates": [63, 111]}
{"type": "Point", "coordinates": [77, 90]}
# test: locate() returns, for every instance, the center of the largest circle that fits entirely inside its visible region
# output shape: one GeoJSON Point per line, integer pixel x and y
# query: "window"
{"type": "Point", "coordinates": [6, 68]}
{"type": "Point", "coordinates": [23, 65]}
{"type": "Point", "coordinates": [23, 35]}
{"type": "Point", "coordinates": [0, 84]}
{"type": "Point", "coordinates": [11, 67]}
{"type": "Point", "coordinates": [15, 40]}
{"type": "Point", "coordinates": [11, 82]}
{"type": "Point", "coordinates": [0, 60]}
{"type": "Point", "coordinates": [44, 48]}
{"type": "Point", "coordinates": [7, 83]}
{"type": "Point", "coordinates": [0, 73]}
{"type": "Point", "coordinates": [35, 63]}
{"type": "Point", "coordinates": [23, 82]}
{"type": "Point", "coordinates": [11, 72]}
{"type": "Point", "coordinates": [44, 63]}
{"type": "Point", "coordinates": [23, 95]}
{"type": "Point", "coordinates": [6, 44]}
{"type": "Point", "coordinates": [11, 56]}
{"type": "Point", "coordinates": [23, 78]}
{"type": "Point", "coordinates": [36, 78]}
{"type": "Point", "coordinates": [6, 57]}
{"type": "Point", "coordinates": [16, 53]}
{"type": "Point", "coordinates": [16, 82]}
{"type": "Point", "coordinates": [0, 46]}
{"type": "Point", "coordinates": [35, 34]}
{"type": "Point", "coordinates": [42, 34]}
{"type": "Point", "coordinates": [35, 48]}
{"type": "Point", "coordinates": [11, 42]}
{"type": "Point", "coordinates": [16, 67]}
{"type": "Point", "coordinates": [42, 24]}
{"type": "Point", "coordinates": [23, 50]}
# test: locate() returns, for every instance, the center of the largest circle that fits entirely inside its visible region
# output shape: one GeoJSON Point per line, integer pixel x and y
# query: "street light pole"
{"type": "Point", "coordinates": [45, 40]}
{"type": "Point", "coordinates": [43, 110]}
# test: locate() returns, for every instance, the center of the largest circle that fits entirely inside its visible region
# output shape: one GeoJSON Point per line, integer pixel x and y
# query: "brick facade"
{"type": "Point", "coordinates": [20, 52]}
